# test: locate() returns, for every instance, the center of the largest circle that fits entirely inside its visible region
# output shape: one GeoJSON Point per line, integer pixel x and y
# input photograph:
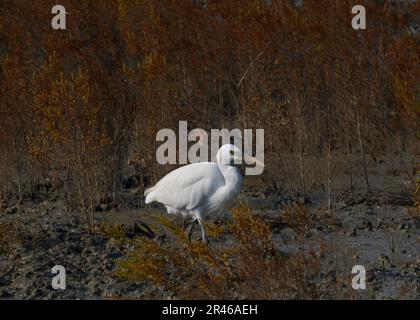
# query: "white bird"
{"type": "Point", "coordinates": [200, 189]}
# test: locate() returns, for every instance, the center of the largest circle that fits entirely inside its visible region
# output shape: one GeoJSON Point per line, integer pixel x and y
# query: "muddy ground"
{"type": "Point", "coordinates": [370, 229]}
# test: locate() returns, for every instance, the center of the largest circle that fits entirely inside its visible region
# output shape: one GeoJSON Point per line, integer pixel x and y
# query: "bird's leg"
{"type": "Point", "coordinates": [193, 222]}
{"type": "Point", "coordinates": [203, 234]}
{"type": "Point", "coordinates": [185, 225]}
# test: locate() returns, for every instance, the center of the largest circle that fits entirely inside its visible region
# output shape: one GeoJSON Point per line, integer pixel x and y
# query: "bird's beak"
{"type": "Point", "coordinates": [254, 162]}
{"type": "Point", "coordinates": [258, 163]}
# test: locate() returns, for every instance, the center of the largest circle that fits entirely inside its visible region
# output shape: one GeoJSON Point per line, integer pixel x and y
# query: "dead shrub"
{"type": "Point", "coordinates": [9, 237]}
{"type": "Point", "coordinates": [297, 217]}
{"type": "Point", "coordinates": [112, 231]}
{"type": "Point", "coordinates": [414, 211]}
{"type": "Point", "coordinates": [250, 268]}
{"type": "Point", "coordinates": [87, 103]}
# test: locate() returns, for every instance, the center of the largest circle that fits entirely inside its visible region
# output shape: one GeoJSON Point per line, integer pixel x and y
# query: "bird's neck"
{"type": "Point", "coordinates": [232, 176]}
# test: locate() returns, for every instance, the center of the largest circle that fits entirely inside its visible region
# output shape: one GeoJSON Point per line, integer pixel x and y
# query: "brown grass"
{"type": "Point", "coordinates": [297, 217]}
{"type": "Point", "coordinates": [9, 237]}
{"type": "Point", "coordinates": [112, 231]}
{"type": "Point", "coordinates": [250, 268]}
{"type": "Point", "coordinates": [77, 106]}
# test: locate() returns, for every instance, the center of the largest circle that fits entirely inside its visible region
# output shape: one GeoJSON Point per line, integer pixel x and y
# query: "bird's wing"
{"type": "Point", "coordinates": [187, 187]}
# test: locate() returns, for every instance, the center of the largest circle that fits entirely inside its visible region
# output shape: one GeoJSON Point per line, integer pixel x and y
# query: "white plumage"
{"type": "Point", "coordinates": [199, 189]}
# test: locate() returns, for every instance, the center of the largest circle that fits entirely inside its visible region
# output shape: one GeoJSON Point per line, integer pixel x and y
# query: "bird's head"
{"type": "Point", "coordinates": [229, 154]}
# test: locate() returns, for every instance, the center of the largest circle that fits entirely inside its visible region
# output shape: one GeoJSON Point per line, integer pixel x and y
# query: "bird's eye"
{"type": "Point", "coordinates": [232, 152]}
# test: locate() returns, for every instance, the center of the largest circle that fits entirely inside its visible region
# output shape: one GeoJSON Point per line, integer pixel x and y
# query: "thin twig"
{"type": "Point", "coordinates": [253, 62]}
